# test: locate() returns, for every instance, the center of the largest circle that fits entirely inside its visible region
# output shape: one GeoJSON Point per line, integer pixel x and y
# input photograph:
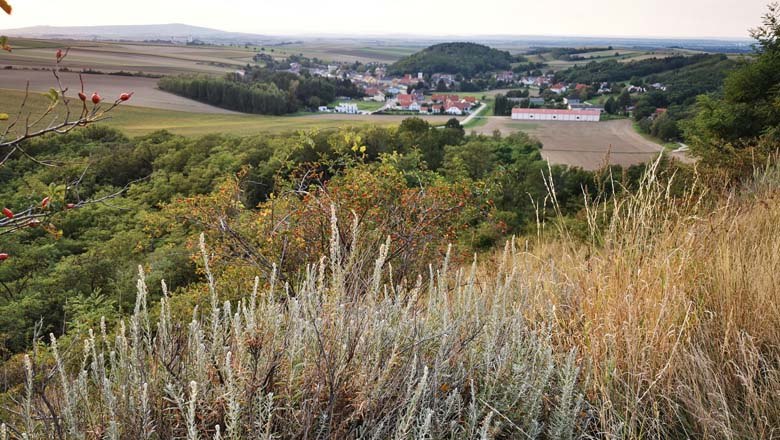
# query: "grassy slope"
{"type": "Point", "coordinates": [138, 120]}
{"type": "Point", "coordinates": [369, 105]}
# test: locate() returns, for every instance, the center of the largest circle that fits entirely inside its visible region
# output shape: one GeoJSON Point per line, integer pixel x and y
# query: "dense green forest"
{"type": "Point", "coordinates": [261, 91]}
{"type": "Point", "coordinates": [264, 99]}
{"type": "Point", "coordinates": [466, 59]}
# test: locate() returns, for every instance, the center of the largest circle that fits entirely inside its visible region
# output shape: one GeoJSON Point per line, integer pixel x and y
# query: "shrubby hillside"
{"type": "Point", "coordinates": [613, 70]}
{"type": "Point", "coordinates": [467, 59]}
{"type": "Point", "coordinates": [409, 282]}
{"type": "Point", "coordinates": [410, 180]}
{"type": "Point", "coordinates": [523, 341]}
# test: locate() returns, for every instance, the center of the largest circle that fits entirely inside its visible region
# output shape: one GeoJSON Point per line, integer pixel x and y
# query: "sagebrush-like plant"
{"type": "Point", "coordinates": [664, 324]}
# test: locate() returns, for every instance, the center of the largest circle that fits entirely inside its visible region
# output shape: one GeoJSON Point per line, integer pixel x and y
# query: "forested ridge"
{"type": "Point", "coordinates": [466, 59]}
{"type": "Point", "coordinates": [673, 84]}
{"type": "Point", "coordinates": [613, 70]}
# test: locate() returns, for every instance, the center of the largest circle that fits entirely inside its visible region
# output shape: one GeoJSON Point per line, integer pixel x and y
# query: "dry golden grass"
{"type": "Point", "coordinates": [674, 312]}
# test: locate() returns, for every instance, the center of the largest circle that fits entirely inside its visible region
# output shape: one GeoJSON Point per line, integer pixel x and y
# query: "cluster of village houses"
{"type": "Point", "coordinates": [436, 104]}
{"type": "Point", "coordinates": [400, 94]}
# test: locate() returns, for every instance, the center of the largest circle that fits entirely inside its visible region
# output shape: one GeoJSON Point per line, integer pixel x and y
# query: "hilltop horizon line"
{"type": "Point", "coordinates": [188, 28]}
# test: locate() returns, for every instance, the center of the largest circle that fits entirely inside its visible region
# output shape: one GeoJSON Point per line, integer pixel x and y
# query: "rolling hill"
{"type": "Point", "coordinates": [466, 59]}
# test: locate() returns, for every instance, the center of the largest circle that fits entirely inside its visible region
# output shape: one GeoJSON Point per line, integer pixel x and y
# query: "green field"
{"type": "Point", "coordinates": [370, 106]}
{"type": "Point", "coordinates": [135, 121]}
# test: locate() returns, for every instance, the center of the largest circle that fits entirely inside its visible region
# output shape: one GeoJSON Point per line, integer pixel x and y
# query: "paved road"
{"type": "Point", "coordinates": [390, 103]}
{"type": "Point", "coordinates": [473, 114]}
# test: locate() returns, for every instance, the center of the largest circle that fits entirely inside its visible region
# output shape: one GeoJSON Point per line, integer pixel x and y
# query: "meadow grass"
{"type": "Point", "coordinates": [370, 105]}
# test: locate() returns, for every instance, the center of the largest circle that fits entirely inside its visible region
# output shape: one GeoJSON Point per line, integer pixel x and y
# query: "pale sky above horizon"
{"type": "Point", "coordinates": [653, 18]}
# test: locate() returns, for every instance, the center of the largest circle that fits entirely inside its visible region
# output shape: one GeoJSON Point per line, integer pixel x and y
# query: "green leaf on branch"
{"type": "Point", "coordinates": [53, 95]}
{"type": "Point", "coordinates": [3, 116]}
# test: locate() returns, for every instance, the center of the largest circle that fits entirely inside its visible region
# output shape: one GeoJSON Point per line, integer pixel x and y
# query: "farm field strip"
{"type": "Point", "coordinates": [109, 86]}
{"type": "Point", "coordinates": [149, 58]}
{"type": "Point", "coordinates": [586, 145]}
{"type": "Point", "coordinates": [136, 121]}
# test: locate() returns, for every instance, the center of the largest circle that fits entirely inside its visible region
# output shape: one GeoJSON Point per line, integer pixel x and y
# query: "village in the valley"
{"type": "Point", "coordinates": [544, 98]}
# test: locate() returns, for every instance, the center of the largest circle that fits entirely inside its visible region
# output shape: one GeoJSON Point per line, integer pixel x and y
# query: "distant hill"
{"type": "Point", "coordinates": [172, 31]}
{"type": "Point", "coordinates": [466, 59]}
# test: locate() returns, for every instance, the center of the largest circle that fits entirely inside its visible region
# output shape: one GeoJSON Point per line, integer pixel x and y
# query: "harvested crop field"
{"type": "Point", "coordinates": [160, 59]}
{"type": "Point", "coordinates": [109, 86]}
{"type": "Point", "coordinates": [586, 145]}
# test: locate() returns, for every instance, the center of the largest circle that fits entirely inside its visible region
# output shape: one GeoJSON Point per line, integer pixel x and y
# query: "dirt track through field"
{"type": "Point", "coordinates": [109, 87]}
{"type": "Point", "coordinates": [584, 144]}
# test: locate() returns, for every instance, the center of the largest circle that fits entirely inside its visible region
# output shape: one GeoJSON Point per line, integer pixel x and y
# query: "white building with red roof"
{"type": "Point", "coordinates": [456, 107]}
{"type": "Point", "coordinates": [404, 100]}
{"type": "Point", "coordinates": [543, 114]}
{"type": "Point", "coordinates": [559, 88]}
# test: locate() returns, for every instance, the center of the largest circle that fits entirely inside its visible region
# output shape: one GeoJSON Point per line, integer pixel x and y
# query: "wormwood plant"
{"type": "Point", "coordinates": [451, 359]}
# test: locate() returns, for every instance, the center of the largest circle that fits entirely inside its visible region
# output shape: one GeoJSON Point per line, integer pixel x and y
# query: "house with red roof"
{"type": "Point", "coordinates": [559, 88]}
{"type": "Point", "coordinates": [541, 81]}
{"type": "Point", "coordinates": [444, 98]}
{"type": "Point", "coordinates": [405, 100]}
{"type": "Point", "coordinates": [408, 80]}
{"type": "Point", "coordinates": [456, 107]}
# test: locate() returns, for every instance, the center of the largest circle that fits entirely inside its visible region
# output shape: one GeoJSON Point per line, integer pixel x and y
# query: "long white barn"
{"type": "Point", "coordinates": [544, 114]}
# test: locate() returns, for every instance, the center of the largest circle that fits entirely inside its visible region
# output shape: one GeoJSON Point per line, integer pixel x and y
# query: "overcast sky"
{"type": "Point", "coordinates": [649, 18]}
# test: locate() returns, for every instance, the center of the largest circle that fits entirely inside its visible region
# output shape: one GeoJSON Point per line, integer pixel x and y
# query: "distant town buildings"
{"type": "Point", "coordinates": [420, 93]}
{"type": "Point", "coordinates": [374, 94]}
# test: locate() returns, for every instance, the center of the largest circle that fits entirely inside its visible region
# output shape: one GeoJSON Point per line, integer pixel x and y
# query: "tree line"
{"type": "Point", "coordinates": [261, 93]}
